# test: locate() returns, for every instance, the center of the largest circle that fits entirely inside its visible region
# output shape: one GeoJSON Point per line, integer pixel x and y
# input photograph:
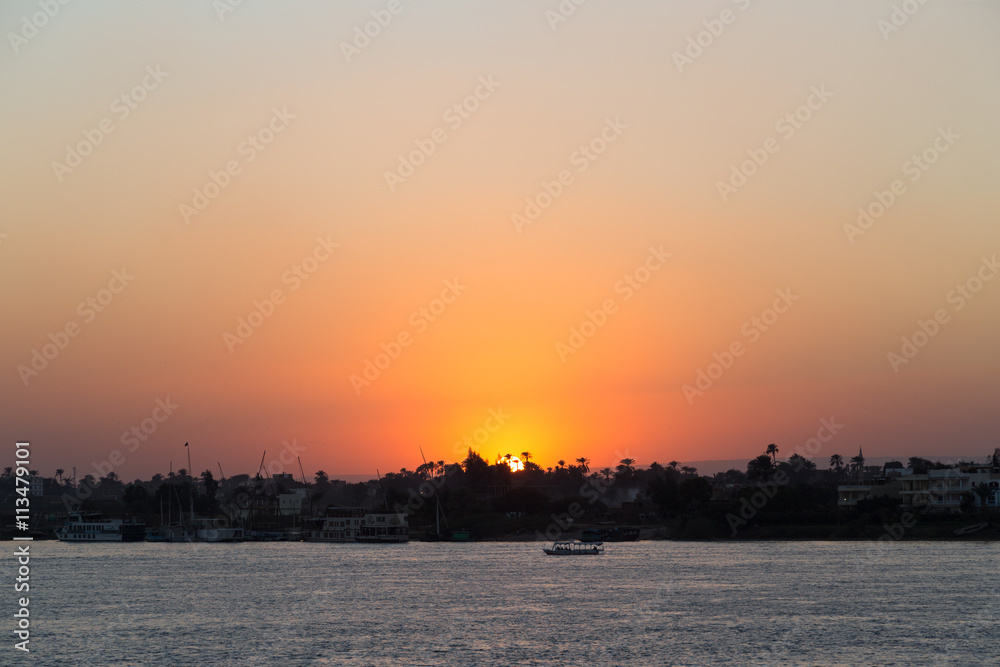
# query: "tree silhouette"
{"type": "Point", "coordinates": [760, 468]}
{"type": "Point", "coordinates": [525, 457]}
{"type": "Point", "coordinates": [837, 462]}
{"type": "Point", "coordinates": [59, 475]}
{"type": "Point", "coordinates": [584, 464]}
{"type": "Point", "coordinates": [858, 464]}
{"type": "Point", "coordinates": [673, 465]}
{"type": "Point", "coordinates": [606, 473]}
{"type": "Point", "coordinates": [772, 450]}
{"type": "Point", "coordinates": [211, 486]}
{"type": "Point", "coordinates": [626, 465]}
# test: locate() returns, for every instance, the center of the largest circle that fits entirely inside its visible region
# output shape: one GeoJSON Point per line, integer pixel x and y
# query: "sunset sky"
{"type": "Point", "coordinates": [181, 165]}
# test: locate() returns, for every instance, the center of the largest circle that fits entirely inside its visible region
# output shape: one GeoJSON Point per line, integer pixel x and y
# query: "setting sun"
{"type": "Point", "coordinates": [512, 461]}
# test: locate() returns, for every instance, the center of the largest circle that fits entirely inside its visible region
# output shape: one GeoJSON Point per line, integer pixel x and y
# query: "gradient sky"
{"type": "Point", "coordinates": [494, 347]}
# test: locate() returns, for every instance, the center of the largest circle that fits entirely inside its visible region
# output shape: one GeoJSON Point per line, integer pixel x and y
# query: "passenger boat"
{"type": "Point", "coordinates": [575, 549]}
{"type": "Point", "coordinates": [384, 527]}
{"type": "Point", "coordinates": [356, 524]}
{"type": "Point", "coordinates": [92, 527]}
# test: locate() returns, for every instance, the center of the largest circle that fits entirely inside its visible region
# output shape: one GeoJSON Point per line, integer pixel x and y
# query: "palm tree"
{"type": "Point", "coordinates": [673, 465]}
{"type": "Point", "coordinates": [59, 475]}
{"type": "Point", "coordinates": [837, 462]}
{"type": "Point", "coordinates": [606, 472]}
{"type": "Point", "coordinates": [584, 464]}
{"type": "Point", "coordinates": [858, 464]}
{"type": "Point", "coordinates": [772, 450]}
{"type": "Point", "coordinates": [689, 470]}
{"type": "Point", "coordinates": [562, 464]}
{"type": "Point", "coordinates": [525, 457]}
{"type": "Point", "coordinates": [760, 468]}
{"type": "Point", "coordinates": [627, 465]}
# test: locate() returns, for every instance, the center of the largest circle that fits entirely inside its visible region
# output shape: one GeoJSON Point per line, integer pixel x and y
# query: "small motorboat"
{"type": "Point", "coordinates": [575, 549]}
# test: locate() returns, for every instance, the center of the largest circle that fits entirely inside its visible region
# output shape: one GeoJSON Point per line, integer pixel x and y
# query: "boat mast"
{"type": "Point", "coordinates": [437, 503]}
{"type": "Point", "coordinates": [305, 485]}
{"type": "Point", "coordinates": [385, 499]}
{"type": "Point", "coordinates": [191, 474]}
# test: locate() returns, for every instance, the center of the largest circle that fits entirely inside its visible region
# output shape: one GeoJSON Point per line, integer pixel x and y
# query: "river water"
{"type": "Point", "coordinates": [642, 603]}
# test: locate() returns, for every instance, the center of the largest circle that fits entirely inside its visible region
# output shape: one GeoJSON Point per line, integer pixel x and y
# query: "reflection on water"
{"type": "Point", "coordinates": [507, 603]}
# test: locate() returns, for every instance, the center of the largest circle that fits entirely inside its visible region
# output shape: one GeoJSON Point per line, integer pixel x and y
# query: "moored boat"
{"type": "Point", "coordinates": [575, 549]}
{"type": "Point", "coordinates": [92, 527]}
{"type": "Point", "coordinates": [356, 524]}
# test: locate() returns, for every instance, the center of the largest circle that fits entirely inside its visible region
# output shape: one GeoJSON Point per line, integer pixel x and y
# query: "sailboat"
{"type": "Point", "coordinates": [459, 535]}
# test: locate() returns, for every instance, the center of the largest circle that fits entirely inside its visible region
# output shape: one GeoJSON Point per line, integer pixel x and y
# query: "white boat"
{"type": "Point", "coordinates": [91, 527]}
{"type": "Point", "coordinates": [385, 527]}
{"type": "Point", "coordinates": [575, 549]}
{"type": "Point", "coordinates": [341, 524]}
{"type": "Point", "coordinates": [217, 530]}
{"type": "Point", "coordinates": [356, 524]}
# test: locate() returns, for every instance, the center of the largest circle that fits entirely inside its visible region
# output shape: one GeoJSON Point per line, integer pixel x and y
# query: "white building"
{"type": "Point", "coordinates": [943, 489]}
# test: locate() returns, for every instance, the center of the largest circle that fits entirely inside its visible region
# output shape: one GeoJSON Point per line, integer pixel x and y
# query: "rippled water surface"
{"type": "Point", "coordinates": [643, 603]}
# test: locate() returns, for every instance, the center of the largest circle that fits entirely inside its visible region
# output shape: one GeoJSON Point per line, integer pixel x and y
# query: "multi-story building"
{"type": "Point", "coordinates": [942, 490]}
{"type": "Point", "coordinates": [848, 495]}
